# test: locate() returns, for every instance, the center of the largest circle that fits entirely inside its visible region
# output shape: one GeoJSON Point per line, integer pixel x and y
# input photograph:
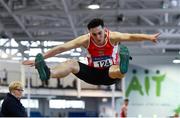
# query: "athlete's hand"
{"type": "Point", "coordinates": [154, 37]}
{"type": "Point", "coordinates": [29, 62]}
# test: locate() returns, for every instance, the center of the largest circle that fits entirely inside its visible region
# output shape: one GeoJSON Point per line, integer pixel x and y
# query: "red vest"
{"type": "Point", "coordinates": [123, 111]}
{"type": "Point", "coordinates": [101, 56]}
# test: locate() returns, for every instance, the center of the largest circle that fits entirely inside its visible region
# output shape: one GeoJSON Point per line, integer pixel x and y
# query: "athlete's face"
{"type": "Point", "coordinates": [98, 34]}
{"type": "Point", "coordinates": [126, 103]}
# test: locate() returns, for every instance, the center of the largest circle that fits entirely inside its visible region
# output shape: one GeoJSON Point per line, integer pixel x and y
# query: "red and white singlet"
{"type": "Point", "coordinates": [102, 56]}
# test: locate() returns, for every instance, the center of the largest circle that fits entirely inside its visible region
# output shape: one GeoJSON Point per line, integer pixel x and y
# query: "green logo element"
{"type": "Point", "coordinates": [158, 80]}
{"type": "Point", "coordinates": [177, 110]}
{"type": "Point", "coordinates": [135, 85]}
{"type": "Point", "coordinates": [147, 85]}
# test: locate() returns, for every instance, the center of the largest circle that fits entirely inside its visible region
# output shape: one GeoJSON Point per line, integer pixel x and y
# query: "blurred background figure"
{"type": "Point", "coordinates": [176, 115]}
{"type": "Point", "coordinates": [4, 76]}
{"type": "Point", "coordinates": [103, 113]}
{"type": "Point", "coordinates": [124, 108]}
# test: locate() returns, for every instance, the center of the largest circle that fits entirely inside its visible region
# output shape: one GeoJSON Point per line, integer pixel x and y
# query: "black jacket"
{"type": "Point", "coordinates": [12, 107]}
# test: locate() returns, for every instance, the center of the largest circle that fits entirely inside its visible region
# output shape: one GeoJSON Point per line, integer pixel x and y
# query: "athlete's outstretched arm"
{"type": "Point", "coordinates": [118, 37]}
{"type": "Point", "coordinates": [80, 41]}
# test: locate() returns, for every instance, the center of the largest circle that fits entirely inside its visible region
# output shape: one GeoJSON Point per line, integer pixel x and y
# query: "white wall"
{"type": "Point", "coordinates": [149, 104]}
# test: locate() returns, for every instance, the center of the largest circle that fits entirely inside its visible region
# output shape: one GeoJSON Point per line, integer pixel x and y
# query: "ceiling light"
{"type": "Point", "coordinates": [94, 6]}
{"type": "Point", "coordinates": [174, 3]}
{"type": "Point", "coordinates": [176, 61]}
{"type": "Point", "coordinates": [104, 99]}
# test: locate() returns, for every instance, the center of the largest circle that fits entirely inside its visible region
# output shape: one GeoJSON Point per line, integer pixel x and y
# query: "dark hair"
{"type": "Point", "coordinates": [126, 100]}
{"type": "Point", "coordinates": [95, 22]}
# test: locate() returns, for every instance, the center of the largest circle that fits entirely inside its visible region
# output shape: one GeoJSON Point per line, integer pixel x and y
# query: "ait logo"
{"type": "Point", "coordinates": [136, 84]}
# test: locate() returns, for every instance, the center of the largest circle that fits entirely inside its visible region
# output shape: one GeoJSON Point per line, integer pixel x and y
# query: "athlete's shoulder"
{"type": "Point", "coordinates": [116, 37]}
{"type": "Point", "coordinates": [83, 39]}
{"type": "Point", "coordinates": [113, 35]}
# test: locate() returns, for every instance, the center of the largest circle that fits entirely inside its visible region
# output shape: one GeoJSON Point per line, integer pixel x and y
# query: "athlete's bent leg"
{"type": "Point", "coordinates": [118, 71]}
{"type": "Point", "coordinates": [65, 68]}
{"type": "Point", "coordinates": [114, 72]}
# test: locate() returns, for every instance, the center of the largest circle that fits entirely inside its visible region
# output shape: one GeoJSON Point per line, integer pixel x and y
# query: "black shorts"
{"type": "Point", "coordinates": [95, 76]}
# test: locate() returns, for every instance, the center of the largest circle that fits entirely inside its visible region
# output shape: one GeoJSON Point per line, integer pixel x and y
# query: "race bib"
{"type": "Point", "coordinates": [101, 62]}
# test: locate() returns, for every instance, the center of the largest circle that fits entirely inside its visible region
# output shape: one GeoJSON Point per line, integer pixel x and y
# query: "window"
{"type": "Point", "coordinates": [32, 103]}
{"type": "Point", "coordinates": [63, 104]}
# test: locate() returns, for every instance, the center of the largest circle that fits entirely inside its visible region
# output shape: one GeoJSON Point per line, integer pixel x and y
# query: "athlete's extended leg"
{"type": "Point", "coordinates": [61, 70]}
{"type": "Point", "coordinates": [65, 68]}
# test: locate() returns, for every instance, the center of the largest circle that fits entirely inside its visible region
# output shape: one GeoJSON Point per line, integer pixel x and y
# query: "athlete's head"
{"type": "Point", "coordinates": [96, 28]}
{"type": "Point", "coordinates": [126, 101]}
{"type": "Point", "coordinates": [95, 23]}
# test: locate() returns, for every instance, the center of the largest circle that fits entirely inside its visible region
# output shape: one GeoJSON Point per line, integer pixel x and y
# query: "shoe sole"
{"type": "Point", "coordinates": [124, 58]}
{"type": "Point", "coordinates": [39, 64]}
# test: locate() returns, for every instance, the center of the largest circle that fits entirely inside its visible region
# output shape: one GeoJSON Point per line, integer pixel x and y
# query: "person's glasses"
{"type": "Point", "coordinates": [21, 90]}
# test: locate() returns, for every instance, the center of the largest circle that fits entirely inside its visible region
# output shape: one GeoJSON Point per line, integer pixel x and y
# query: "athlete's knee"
{"type": "Point", "coordinates": [73, 65]}
{"type": "Point", "coordinates": [71, 62]}
{"type": "Point", "coordinates": [114, 72]}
